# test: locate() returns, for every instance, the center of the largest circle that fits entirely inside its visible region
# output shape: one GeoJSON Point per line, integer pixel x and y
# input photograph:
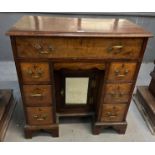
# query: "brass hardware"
{"type": "Point", "coordinates": [40, 117]}
{"type": "Point", "coordinates": [118, 72]}
{"type": "Point", "coordinates": [115, 49]}
{"type": "Point", "coordinates": [44, 52]}
{"type": "Point", "coordinates": [117, 94]}
{"type": "Point", "coordinates": [121, 75]}
{"type": "Point", "coordinates": [36, 95]}
{"type": "Point", "coordinates": [37, 46]}
{"type": "Point", "coordinates": [37, 92]}
{"type": "Point", "coordinates": [41, 50]}
{"type": "Point", "coordinates": [35, 72]}
{"type": "Point", "coordinates": [111, 114]}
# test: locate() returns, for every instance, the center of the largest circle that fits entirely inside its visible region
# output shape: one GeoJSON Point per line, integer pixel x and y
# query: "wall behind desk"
{"type": "Point", "coordinates": [146, 20]}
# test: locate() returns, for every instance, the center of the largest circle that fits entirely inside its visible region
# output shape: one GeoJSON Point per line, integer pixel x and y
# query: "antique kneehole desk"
{"type": "Point", "coordinates": [76, 67]}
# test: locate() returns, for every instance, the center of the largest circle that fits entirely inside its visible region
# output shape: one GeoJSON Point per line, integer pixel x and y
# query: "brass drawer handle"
{"type": "Point", "coordinates": [36, 95]}
{"type": "Point", "coordinates": [35, 75]}
{"type": "Point", "coordinates": [117, 94]}
{"type": "Point", "coordinates": [35, 72]}
{"type": "Point", "coordinates": [118, 73]}
{"type": "Point", "coordinates": [40, 117]}
{"type": "Point", "coordinates": [44, 52]}
{"type": "Point", "coordinates": [111, 115]}
{"type": "Point", "coordinates": [41, 50]}
{"type": "Point", "coordinates": [115, 49]}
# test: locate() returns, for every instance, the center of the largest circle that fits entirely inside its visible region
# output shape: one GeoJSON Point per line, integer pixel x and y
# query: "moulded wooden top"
{"type": "Point", "coordinates": [86, 27]}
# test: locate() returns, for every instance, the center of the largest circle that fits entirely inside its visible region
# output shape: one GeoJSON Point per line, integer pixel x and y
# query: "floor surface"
{"type": "Point", "coordinates": [75, 129]}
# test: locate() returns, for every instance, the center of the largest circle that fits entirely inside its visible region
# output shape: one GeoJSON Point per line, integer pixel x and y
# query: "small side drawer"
{"type": "Point", "coordinates": [39, 115]}
{"type": "Point", "coordinates": [117, 92]}
{"type": "Point", "coordinates": [122, 72]}
{"type": "Point", "coordinates": [37, 95]}
{"type": "Point", "coordinates": [35, 72]}
{"type": "Point", "coordinates": [113, 112]}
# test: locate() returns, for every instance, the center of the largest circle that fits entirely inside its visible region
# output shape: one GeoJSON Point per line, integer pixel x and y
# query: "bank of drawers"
{"type": "Point", "coordinates": [37, 82]}
{"type": "Point", "coordinates": [118, 89]}
{"type": "Point", "coordinates": [37, 93]}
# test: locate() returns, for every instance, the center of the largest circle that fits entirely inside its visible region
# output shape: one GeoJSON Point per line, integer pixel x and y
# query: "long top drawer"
{"type": "Point", "coordinates": [70, 47]}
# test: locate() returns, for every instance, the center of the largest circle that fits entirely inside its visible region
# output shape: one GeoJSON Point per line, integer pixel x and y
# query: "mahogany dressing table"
{"type": "Point", "coordinates": [76, 67]}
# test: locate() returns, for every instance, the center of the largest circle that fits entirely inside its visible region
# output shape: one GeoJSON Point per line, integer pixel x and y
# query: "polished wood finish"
{"type": "Point", "coordinates": [145, 102]}
{"type": "Point", "coordinates": [79, 27]}
{"type": "Point", "coordinates": [79, 66]}
{"type": "Point", "coordinates": [35, 72]}
{"type": "Point", "coordinates": [39, 115]}
{"type": "Point", "coordinates": [7, 106]}
{"type": "Point", "coordinates": [121, 72]}
{"type": "Point", "coordinates": [48, 49]}
{"type": "Point", "coordinates": [37, 95]}
{"type": "Point", "coordinates": [152, 83]}
{"type": "Point", "coordinates": [115, 93]}
{"type": "Point", "coordinates": [113, 112]}
{"type": "Point", "coordinates": [45, 47]}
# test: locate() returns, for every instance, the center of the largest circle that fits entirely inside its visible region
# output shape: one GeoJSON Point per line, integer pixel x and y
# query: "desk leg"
{"type": "Point", "coordinates": [52, 129]}
{"type": "Point", "coordinates": [119, 127]}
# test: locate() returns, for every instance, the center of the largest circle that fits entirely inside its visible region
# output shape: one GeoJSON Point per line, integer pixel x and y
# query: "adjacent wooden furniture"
{"type": "Point", "coordinates": [49, 52]}
{"type": "Point", "coordinates": [7, 105]}
{"type": "Point", "coordinates": [145, 101]}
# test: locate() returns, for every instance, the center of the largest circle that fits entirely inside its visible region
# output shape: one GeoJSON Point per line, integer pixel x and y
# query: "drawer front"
{"type": "Point", "coordinates": [48, 47]}
{"type": "Point", "coordinates": [113, 112]}
{"type": "Point", "coordinates": [117, 92]}
{"type": "Point", "coordinates": [121, 72]}
{"type": "Point", "coordinates": [39, 115]}
{"type": "Point", "coordinates": [35, 72]}
{"type": "Point", "coordinates": [37, 95]}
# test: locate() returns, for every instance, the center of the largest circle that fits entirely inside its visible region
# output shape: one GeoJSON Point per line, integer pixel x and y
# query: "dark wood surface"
{"type": "Point", "coordinates": [152, 83]}
{"type": "Point", "coordinates": [45, 47]}
{"type": "Point", "coordinates": [145, 102]}
{"type": "Point", "coordinates": [73, 47]}
{"type": "Point", "coordinates": [7, 105]}
{"type": "Point", "coordinates": [65, 26]}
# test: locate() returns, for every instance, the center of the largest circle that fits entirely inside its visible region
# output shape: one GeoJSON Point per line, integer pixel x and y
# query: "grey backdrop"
{"type": "Point", "coordinates": [146, 20]}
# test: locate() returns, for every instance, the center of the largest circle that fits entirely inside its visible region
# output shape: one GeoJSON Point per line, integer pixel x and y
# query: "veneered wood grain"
{"type": "Point", "coordinates": [77, 66]}
{"type": "Point", "coordinates": [37, 95]}
{"type": "Point", "coordinates": [35, 68]}
{"type": "Point", "coordinates": [40, 112]}
{"type": "Point", "coordinates": [68, 26]}
{"type": "Point", "coordinates": [117, 93]}
{"type": "Point", "coordinates": [122, 76]}
{"type": "Point", "coordinates": [113, 112]}
{"type": "Point", "coordinates": [79, 43]}
{"type": "Point", "coordinates": [101, 48]}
